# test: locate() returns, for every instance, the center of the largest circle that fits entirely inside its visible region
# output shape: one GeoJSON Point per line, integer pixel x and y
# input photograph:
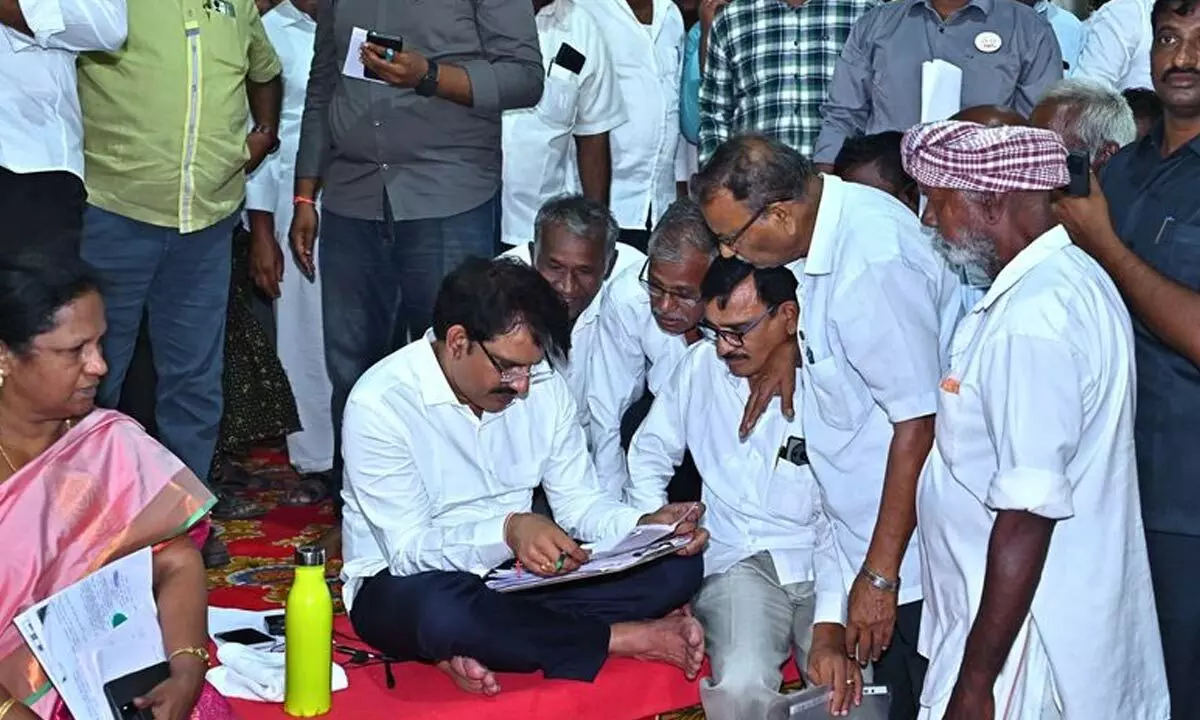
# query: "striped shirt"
{"type": "Point", "coordinates": [768, 67]}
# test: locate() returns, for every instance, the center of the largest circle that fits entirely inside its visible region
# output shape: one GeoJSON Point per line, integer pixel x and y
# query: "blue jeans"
{"type": "Point", "coordinates": [379, 280]}
{"type": "Point", "coordinates": [181, 282]}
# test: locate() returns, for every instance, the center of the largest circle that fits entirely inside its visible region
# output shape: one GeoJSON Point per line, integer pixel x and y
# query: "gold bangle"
{"type": "Point", "coordinates": [6, 706]}
{"type": "Point", "coordinates": [197, 652]}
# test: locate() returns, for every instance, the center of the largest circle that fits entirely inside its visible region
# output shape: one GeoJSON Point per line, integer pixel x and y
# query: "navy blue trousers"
{"type": "Point", "coordinates": [562, 630]}
{"type": "Point", "coordinates": [1176, 589]}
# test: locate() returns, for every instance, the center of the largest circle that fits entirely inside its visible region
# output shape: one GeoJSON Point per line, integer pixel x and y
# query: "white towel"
{"type": "Point", "coordinates": [251, 674]}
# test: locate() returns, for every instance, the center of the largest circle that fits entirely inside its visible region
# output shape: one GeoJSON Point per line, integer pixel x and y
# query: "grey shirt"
{"type": "Point", "coordinates": [435, 158]}
{"type": "Point", "coordinates": [876, 85]}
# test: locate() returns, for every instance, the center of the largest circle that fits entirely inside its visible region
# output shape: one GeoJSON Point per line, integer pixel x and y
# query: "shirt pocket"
{"type": "Point", "coordinates": [1181, 248]}
{"type": "Point", "coordinates": [989, 77]}
{"type": "Point", "coordinates": [519, 476]}
{"type": "Point", "coordinates": [840, 401]}
{"type": "Point", "coordinates": [224, 47]}
{"type": "Point", "coordinates": [560, 99]}
{"type": "Point", "coordinates": [791, 493]}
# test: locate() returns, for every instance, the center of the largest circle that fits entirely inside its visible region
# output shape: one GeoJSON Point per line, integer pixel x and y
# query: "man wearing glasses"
{"type": "Point", "coordinates": [878, 306]}
{"type": "Point", "coordinates": [648, 319]}
{"type": "Point", "coordinates": [773, 578]}
{"type": "Point", "coordinates": [445, 441]}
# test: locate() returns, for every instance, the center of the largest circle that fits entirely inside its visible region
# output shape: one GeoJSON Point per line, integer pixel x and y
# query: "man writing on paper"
{"type": "Point", "coordinates": [1034, 443]}
{"type": "Point", "coordinates": [575, 248]}
{"type": "Point", "coordinates": [1007, 53]}
{"type": "Point", "coordinates": [878, 307]}
{"type": "Point", "coordinates": [773, 580]}
{"type": "Point", "coordinates": [648, 320]}
{"type": "Point", "coordinates": [445, 441]}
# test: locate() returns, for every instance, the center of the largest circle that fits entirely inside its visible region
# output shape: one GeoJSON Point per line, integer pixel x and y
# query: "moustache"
{"type": "Point", "coordinates": [735, 356]}
{"type": "Point", "coordinates": [503, 391]}
{"type": "Point", "coordinates": [1179, 71]}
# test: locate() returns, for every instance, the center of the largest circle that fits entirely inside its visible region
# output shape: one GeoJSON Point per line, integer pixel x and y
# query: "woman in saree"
{"type": "Point", "coordinates": [81, 487]}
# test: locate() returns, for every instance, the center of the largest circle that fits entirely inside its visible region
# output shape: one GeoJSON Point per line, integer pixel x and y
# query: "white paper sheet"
{"type": "Point", "coordinates": [353, 66]}
{"type": "Point", "coordinates": [83, 634]}
{"type": "Point", "coordinates": [941, 90]}
{"type": "Point", "coordinates": [606, 563]}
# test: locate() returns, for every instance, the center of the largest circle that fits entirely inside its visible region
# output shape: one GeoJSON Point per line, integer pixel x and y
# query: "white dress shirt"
{"type": "Point", "coordinates": [583, 333]}
{"type": "Point", "coordinates": [878, 308]}
{"type": "Point", "coordinates": [429, 484]}
{"type": "Point", "coordinates": [648, 62]}
{"type": "Point", "coordinates": [1068, 29]}
{"type": "Point", "coordinates": [1116, 45]}
{"type": "Point", "coordinates": [755, 501]}
{"type": "Point", "coordinates": [41, 125]}
{"type": "Point", "coordinates": [539, 142]}
{"type": "Point", "coordinates": [1036, 415]}
{"type": "Point", "coordinates": [631, 352]}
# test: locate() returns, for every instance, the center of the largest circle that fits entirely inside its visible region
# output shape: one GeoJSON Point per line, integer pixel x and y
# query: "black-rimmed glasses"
{"type": "Point", "coordinates": [517, 372]}
{"type": "Point", "coordinates": [736, 338]}
{"type": "Point", "coordinates": [732, 240]}
{"type": "Point", "coordinates": [658, 292]}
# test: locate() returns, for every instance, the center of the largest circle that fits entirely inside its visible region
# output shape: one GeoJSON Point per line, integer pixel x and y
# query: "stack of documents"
{"type": "Point", "coordinates": [641, 545]}
{"type": "Point", "coordinates": [102, 628]}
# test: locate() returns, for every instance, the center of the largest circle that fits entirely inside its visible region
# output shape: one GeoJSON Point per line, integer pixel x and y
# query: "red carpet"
{"type": "Point", "coordinates": [259, 577]}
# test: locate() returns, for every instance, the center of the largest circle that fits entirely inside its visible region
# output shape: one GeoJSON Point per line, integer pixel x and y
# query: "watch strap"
{"type": "Point", "coordinates": [428, 85]}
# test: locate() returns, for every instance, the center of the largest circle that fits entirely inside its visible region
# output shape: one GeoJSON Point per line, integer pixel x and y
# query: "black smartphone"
{"type": "Point", "coordinates": [569, 58]}
{"type": "Point", "coordinates": [124, 690]}
{"type": "Point", "coordinates": [383, 40]}
{"type": "Point", "coordinates": [275, 625]}
{"type": "Point", "coordinates": [1079, 167]}
{"type": "Point", "coordinates": [245, 636]}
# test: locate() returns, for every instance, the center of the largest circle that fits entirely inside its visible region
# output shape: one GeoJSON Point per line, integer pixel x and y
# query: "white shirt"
{"type": "Point", "coordinates": [583, 333]}
{"type": "Point", "coordinates": [269, 187]}
{"type": "Point", "coordinates": [41, 125]}
{"type": "Point", "coordinates": [539, 142]}
{"type": "Point", "coordinates": [1036, 414]}
{"type": "Point", "coordinates": [754, 500]}
{"type": "Point", "coordinates": [1068, 29]}
{"type": "Point", "coordinates": [1116, 45]}
{"type": "Point", "coordinates": [648, 62]}
{"type": "Point", "coordinates": [878, 306]}
{"type": "Point", "coordinates": [429, 484]}
{"type": "Point", "coordinates": [631, 352]}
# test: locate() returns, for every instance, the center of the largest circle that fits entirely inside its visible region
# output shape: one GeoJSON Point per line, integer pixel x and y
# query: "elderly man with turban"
{"type": "Point", "coordinates": [1038, 601]}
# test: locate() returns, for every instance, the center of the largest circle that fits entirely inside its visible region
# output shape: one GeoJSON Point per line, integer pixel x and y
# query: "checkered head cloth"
{"type": "Point", "coordinates": [966, 156]}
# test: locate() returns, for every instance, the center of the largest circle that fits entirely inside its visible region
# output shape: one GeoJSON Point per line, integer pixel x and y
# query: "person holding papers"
{"type": "Point", "coordinates": [1039, 602]}
{"type": "Point", "coordinates": [445, 441]}
{"type": "Point", "coordinates": [81, 487]}
{"type": "Point", "coordinates": [773, 580]}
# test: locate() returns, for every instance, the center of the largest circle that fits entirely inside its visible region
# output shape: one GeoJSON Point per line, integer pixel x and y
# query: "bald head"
{"type": "Point", "coordinates": [990, 116]}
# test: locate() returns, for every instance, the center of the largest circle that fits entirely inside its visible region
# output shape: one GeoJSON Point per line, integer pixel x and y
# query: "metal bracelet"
{"type": "Point", "coordinates": [878, 581]}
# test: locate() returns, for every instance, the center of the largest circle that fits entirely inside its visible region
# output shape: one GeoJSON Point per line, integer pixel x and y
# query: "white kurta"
{"type": "Point", "coordinates": [1036, 414]}
{"type": "Point", "coordinates": [299, 333]}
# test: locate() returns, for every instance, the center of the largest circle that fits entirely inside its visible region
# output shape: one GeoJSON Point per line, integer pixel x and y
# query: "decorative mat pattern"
{"type": "Point", "coordinates": [260, 572]}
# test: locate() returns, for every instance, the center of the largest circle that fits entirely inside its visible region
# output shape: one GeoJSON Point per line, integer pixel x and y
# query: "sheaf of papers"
{"type": "Point", "coordinates": [99, 629]}
{"type": "Point", "coordinates": [641, 545]}
{"type": "Point", "coordinates": [941, 90]}
{"type": "Point", "coordinates": [353, 66]}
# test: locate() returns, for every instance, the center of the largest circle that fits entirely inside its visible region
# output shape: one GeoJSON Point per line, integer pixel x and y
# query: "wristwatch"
{"type": "Point", "coordinates": [428, 85]}
{"type": "Point", "coordinates": [267, 130]}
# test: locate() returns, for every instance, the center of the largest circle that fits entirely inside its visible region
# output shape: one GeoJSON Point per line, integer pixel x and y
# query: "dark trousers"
{"type": "Point", "coordinates": [41, 210]}
{"type": "Point", "coordinates": [902, 668]}
{"type": "Point", "coordinates": [181, 284]}
{"type": "Point", "coordinates": [562, 630]}
{"type": "Point", "coordinates": [1177, 595]}
{"type": "Point", "coordinates": [379, 280]}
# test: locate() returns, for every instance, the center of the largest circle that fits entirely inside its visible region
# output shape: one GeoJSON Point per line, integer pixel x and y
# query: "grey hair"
{"type": "Point", "coordinates": [681, 228]}
{"type": "Point", "coordinates": [581, 217]}
{"type": "Point", "coordinates": [1104, 114]}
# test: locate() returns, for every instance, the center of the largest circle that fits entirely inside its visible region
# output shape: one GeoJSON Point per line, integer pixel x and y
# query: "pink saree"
{"type": "Point", "coordinates": [104, 490]}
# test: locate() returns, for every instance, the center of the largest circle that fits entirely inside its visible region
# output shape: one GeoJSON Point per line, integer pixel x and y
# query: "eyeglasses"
{"type": "Point", "coordinates": [732, 240]}
{"type": "Point", "coordinates": [658, 292]}
{"type": "Point", "coordinates": [736, 338]}
{"type": "Point", "coordinates": [518, 372]}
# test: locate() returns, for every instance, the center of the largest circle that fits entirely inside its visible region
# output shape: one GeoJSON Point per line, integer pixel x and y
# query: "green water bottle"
{"type": "Point", "coordinates": [308, 626]}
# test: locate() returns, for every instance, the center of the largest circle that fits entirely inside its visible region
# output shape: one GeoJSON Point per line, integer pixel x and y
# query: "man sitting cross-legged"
{"type": "Point", "coordinates": [444, 442]}
{"type": "Point", "coordinates": [772, 568]}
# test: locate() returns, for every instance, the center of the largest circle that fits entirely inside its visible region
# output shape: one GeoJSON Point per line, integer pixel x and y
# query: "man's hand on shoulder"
{"type": "Point", "coordinates": [541, 546]}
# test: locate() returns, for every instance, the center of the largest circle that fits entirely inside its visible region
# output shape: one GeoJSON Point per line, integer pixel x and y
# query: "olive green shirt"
{"type": "Point", "coordinates": [165, 117]}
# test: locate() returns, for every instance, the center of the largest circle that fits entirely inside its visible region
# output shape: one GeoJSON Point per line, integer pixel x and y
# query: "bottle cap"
{"type": "Point", "coordinates": [310, 556]}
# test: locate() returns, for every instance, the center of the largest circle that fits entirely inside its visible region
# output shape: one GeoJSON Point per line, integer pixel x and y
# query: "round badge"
{"type": "Point", "coordinates": [988, 42]}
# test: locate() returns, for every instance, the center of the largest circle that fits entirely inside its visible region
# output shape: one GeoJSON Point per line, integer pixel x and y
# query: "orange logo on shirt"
{"type": "Point", "coordinates": [951, 385]}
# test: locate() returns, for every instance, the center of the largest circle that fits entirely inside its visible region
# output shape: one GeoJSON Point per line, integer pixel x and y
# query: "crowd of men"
{"type": "Point", "coordinates": [923, 418]}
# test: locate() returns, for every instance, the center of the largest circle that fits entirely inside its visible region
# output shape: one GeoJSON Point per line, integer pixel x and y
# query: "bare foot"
{"type": "Point", "coordinates": [470, 675]}
{"type": "Point", "coordinates": [677, 639]}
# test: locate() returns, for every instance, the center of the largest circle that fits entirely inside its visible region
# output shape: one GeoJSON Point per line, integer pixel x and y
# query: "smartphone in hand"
{"type": "Point", "coordinates": [383, 40]}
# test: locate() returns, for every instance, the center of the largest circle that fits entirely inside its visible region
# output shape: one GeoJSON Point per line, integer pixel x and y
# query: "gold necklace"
{"type": "Point", "coordinates": [67, 425]}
